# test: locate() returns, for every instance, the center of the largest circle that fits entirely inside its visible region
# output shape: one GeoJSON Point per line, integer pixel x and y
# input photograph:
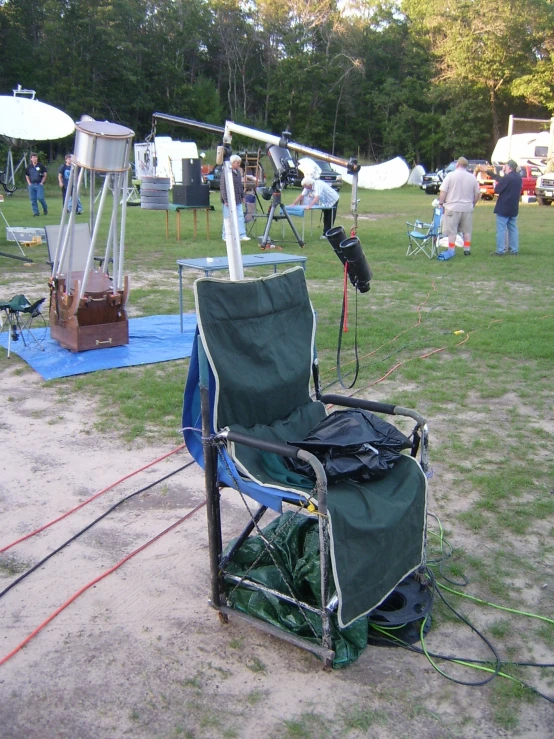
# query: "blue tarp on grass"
{"type": "Point", "coordinates": [151, 339]}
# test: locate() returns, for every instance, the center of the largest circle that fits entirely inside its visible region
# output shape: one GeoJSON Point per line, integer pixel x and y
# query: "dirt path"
{"type": "Point", "coordinates": [141, 653]}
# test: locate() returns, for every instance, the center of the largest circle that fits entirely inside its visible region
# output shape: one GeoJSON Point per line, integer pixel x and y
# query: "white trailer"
{"type": "Point", "coordinates": [525, 148]}
{"type": "Point", "coordinates": [163, 157]}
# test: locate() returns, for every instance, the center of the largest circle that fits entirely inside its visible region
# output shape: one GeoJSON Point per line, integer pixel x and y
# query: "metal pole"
{"type": "Point", "coordinates": [354, 200]}
{"type": "Point", "coordinates": [510, 133]}
{"type": "Point", "coordinates": [213, 512]}
{"type": "Point", "coordinates": [60, 250]}
{"type": "Point", "coordinates": [90, 256]}
{"type": "Point", "coordinates": [113, 228]}
{"type": "Point", "coordinates": [232, 239]}
{"type": "Point", "coordinates": [125, 180]}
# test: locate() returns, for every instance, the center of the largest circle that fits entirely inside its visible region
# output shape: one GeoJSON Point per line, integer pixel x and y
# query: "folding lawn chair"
{"type": "Point", "coordinates": [339, 550]}
{"type": "Point", "coordinates": [424, 237]}
{"type": "Point", "coordinates": [23, 319]}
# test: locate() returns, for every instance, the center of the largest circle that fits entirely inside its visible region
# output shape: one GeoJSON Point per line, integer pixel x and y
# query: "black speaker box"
{"type": "Point", "coordinates": [191, 172]}
{"type": "Point", "coordinates": [192, 195]}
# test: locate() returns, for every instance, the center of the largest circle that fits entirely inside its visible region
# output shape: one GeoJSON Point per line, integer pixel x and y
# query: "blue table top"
{"type": "Point", "coordinates": [248, 260]}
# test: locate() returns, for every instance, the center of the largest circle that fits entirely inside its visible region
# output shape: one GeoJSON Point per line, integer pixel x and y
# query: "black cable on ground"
{"type": "Point", "coordinates": [461, 660]}
{"type": "Point", "coordinates": [90, 525]}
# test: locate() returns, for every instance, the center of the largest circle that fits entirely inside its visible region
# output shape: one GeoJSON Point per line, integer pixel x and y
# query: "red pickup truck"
{"type": "Point", "coordinates": [528, 172]}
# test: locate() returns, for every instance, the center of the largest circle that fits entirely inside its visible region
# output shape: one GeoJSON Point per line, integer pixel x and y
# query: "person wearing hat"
{"type": "Point", "coordinates": [238, 188]}
{"type": "Point", "coordinates": [508, 189]}
{"type": "Point", "coordinates": [459, 193]}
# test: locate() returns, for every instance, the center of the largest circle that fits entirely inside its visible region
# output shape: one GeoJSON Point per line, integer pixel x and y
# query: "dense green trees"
{"type": "Point", "coordinates": [425, 79]}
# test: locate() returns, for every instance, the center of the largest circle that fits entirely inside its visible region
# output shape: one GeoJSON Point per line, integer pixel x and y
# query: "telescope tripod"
{"type": "Point", "coordinates": [276, 203]}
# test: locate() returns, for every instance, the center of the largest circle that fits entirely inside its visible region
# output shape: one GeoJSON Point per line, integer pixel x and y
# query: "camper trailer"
{"type": "Point", "coordinates": [524, 148]}
{"type": "Point", "coordinates": [163, 157]}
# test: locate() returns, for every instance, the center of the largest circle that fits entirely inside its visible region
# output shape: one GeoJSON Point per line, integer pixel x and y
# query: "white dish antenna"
{"type": "Point", "coordinates": [386, 176]}
{"type": "Point", "coordinates": [24, 119]}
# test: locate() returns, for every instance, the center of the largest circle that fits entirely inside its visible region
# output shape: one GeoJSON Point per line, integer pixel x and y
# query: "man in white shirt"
{"type": "Point", "coordinates": [316, 192]}
{"type": "Point", "coordinates": [459, 194]}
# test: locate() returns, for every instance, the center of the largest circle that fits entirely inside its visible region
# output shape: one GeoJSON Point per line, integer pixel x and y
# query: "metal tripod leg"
{"type": "Point", "coordinates": [293, 227]}
{"type": "Point", "coordinates": [276, 201]}
{"type": "Point", "coordinates": [270, 215]}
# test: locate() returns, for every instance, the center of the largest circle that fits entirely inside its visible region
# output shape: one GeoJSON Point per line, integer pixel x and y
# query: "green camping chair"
{"type": "Point", "coordinates": [24, 319]}
{"type": "Point", "coordinates": [247, 398]}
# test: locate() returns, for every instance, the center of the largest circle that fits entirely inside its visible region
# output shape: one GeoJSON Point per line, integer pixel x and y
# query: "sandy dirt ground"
{"type": "Point", "coordinates": [141, 653]}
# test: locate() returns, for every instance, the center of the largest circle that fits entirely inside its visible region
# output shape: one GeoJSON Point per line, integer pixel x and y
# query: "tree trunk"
{"type": "Point", "coordinates": [494, 114]}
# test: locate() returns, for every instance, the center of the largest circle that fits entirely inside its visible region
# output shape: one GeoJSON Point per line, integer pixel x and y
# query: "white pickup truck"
{"type": "Point", "coordinates": [544, 188]}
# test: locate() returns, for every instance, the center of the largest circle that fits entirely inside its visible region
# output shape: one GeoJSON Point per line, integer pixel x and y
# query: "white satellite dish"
{"type": "Point", "coordinates": [386, 176]}
{"type": "Point", "coordinates": [23, 120]}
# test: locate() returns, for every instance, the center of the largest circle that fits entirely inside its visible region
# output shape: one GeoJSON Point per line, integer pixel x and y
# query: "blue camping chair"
{"type": "Point", "coordinates": [423, 238]}
{"type": "Point", "coordinates": [247, 400]}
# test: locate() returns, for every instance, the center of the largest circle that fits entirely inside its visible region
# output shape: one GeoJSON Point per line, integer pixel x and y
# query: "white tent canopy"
{"type": "Point", "coordinates": [23, 120]}
{"type": "Point", "coordinates": [416, 175]}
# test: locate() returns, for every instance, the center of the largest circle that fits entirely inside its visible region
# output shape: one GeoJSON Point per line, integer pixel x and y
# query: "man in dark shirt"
{"type": "Point", "coordinates": [36, 174]}
{"type": "Point", "coordinates": [508, 189]}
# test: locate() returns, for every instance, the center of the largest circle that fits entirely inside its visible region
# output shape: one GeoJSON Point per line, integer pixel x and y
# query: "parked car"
{"type": "Point", "coordinates": [327, 175]}
{"type": "Point", "coordinates": [530, 174]}
{"type": "Point", "coordinates": [432, 181]}
{"type": "Point", "coordinates": [544, 188]}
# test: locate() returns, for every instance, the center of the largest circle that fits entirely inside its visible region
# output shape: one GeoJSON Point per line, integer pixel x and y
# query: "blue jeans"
{"type": "Point", "coordinates": [503, 223]}
{"type": "Point", "coordinates": [240, 219]}
{"type": "Point", "coordinates": [36, 192]}
{"type": "Point", "coordinates": [70, 203]}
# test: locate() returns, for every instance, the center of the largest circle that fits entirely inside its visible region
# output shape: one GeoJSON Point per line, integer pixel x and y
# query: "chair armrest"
{"type": "Point", "coordinates": [373, 406]}
{"type": "Point", "coordinates": [285, 450]}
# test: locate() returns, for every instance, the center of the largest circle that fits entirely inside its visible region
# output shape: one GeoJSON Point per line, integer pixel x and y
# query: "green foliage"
{"type": "Point", "coordinates": [415, 79]}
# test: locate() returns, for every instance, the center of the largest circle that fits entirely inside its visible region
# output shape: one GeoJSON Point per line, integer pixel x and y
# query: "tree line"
{"type": "Point", "coordinates": [423, 79]}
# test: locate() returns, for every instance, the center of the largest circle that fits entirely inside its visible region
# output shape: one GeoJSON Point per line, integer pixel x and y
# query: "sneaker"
{"type": "Point", "coordinates": [245, 238]}
{"type": "Point", "coordinates": [323, 238]}
{"type": "Point", "coordinates": [497, 254]}
{"type": "Point", "coordinates": [45, 212]}
{"type": "Point", "coordinates": [513, 253]}
{"type": "Point", "coordinates": [36, 215]}
{"type": "Point", "coordinates": [79, 212]}
{"type": "Point", "coordinates": [467, 252]}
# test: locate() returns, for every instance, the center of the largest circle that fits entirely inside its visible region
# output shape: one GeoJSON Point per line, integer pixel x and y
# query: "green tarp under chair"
{"type": "Point", "coordinates": [339, 549]}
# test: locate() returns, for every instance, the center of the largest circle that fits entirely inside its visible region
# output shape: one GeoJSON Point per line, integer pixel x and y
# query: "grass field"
{"type": "Point", "coordinates": [488, 392]}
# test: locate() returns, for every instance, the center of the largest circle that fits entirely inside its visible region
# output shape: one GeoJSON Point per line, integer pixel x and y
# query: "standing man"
{"type": "Point", "coordinates": [459, 194]}
{"type": "Point", "coordinates": [63, 180]}
{"type": "Point", "coordinates": [239, 197]}
{"type": "Point", "coordinates": [316, 192]}
{"type": "Point", "coordinates": [36, 174]}
{"type": "Point", "coordinates": [508, 189]}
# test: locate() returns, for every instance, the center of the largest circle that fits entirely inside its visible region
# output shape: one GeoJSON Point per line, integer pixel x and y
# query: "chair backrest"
{"type": "Point", "coordinates": [258, 336]}
{"type": "Point", "coordinates": [437, 218]}
{"type": "Point", "coordinates": [81, 246]}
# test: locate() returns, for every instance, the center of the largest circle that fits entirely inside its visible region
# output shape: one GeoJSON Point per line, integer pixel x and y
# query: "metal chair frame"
{"type": "Point", "coordinates": [423, 238]}
{"type": "Point", "coordinates": [18, 316]}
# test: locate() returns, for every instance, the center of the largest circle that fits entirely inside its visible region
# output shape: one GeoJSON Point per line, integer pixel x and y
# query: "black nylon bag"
{"type": "Point", "coordinates": [353, 444]}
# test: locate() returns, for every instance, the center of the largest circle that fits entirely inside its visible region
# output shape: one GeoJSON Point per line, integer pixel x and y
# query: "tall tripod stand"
{"type": "Point", "coordinates": [275, 204]}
